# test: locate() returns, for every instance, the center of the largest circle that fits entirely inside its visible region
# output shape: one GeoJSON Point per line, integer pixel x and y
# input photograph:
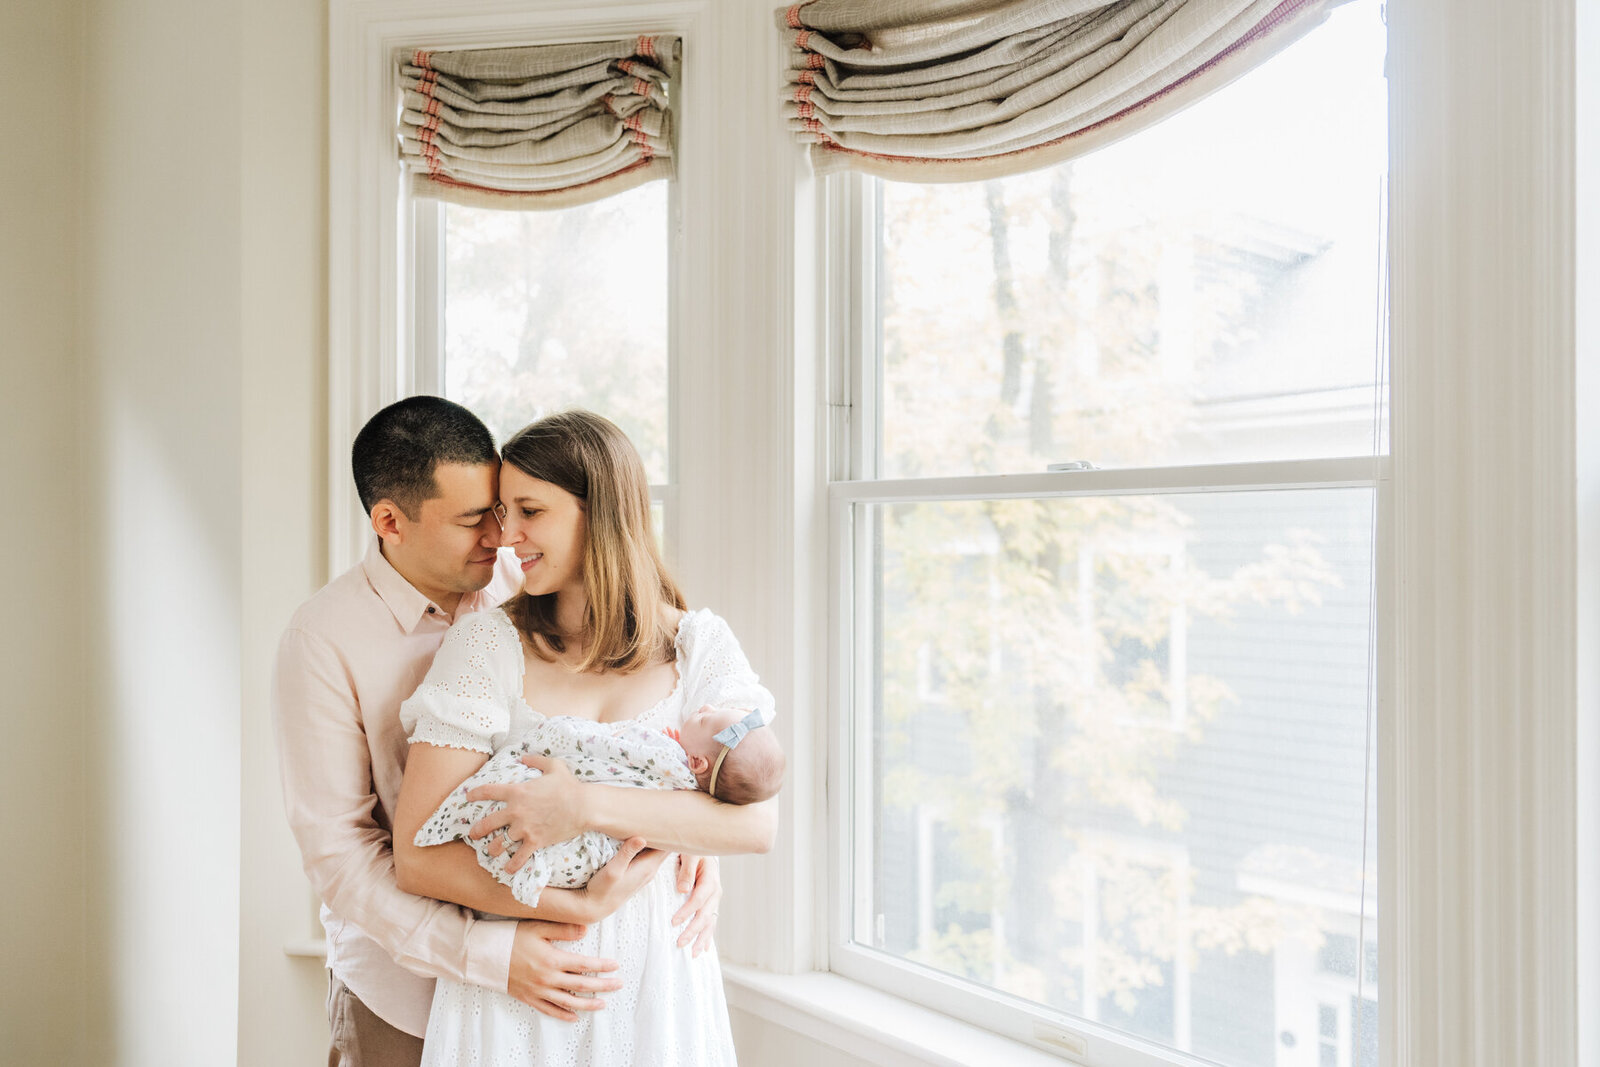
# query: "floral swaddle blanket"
{"type": "Point", "coordinates": [616, 754]}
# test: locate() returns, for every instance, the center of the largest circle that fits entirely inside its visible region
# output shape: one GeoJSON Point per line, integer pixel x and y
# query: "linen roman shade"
{"type": "Point", "coordinates": [966, 90]}
{"type": "Point", "coordinates": [538, 127]}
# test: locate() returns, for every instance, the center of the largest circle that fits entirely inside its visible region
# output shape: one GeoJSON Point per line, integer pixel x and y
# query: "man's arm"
{"type": "Point", "coordinates": [327, 786]}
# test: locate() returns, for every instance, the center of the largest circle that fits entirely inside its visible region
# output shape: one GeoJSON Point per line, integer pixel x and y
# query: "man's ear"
{"type": "Point", "coordinates": [699, 765]}
{"type": "Point", "coordinates": [386, 520]}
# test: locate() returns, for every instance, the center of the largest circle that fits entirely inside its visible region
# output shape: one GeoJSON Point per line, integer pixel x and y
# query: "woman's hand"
{"type": "Point", "coordinates": [537, 813]}
{"type": "Point", "coordinates": [622, 876]}
{"type": "Point", "coordinates": [701, 878]}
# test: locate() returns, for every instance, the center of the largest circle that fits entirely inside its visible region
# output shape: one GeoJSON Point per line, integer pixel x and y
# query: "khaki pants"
{"type": "Point", "coordinates": [358, 1038]}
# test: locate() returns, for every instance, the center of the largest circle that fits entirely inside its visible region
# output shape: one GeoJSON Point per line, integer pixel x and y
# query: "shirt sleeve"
{"type": "Point", "coordinates": [347, 853]}
{"type": "Point", "coordinates": [717, 671]}
{"type": "Point", "coordinates": [465, 701]}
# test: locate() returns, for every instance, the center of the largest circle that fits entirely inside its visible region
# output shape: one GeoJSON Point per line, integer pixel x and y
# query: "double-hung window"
{"type": "Point", "coordinates": [1107, 449]}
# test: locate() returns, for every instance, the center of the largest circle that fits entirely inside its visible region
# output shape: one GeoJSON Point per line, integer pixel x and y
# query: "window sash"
{"type": "Point", "coordinates": [850, 264]}
{"type": "Point", "coordinates": [1343, 473]}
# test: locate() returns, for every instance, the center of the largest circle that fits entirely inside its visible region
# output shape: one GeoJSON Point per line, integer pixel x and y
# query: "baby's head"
{"type": "Point", "coordinates": [751, 768]}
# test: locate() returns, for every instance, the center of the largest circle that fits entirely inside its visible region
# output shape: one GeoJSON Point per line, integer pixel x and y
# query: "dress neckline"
{"type": "Point", "coordinates": [647, 713]}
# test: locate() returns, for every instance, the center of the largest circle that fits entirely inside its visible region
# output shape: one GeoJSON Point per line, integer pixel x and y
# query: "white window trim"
{"type": "Point", "coordinates": [1498, 272]}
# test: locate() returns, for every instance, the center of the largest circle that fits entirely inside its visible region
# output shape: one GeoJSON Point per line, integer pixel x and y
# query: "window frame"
{"type": "Point", "coordinates": [851, 263]}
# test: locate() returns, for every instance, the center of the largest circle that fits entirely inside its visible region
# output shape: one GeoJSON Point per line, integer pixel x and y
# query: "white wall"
{"type": "Point", "coordinates": [284, 442]}
{"type": "Point", "coordinates": [160, 506]}
{"type": "Point", "coordinates": [48, 982]}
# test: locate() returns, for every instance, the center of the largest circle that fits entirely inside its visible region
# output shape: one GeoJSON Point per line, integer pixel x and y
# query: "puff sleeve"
{"type": "Point", "coordinates": [715, 670]}
{"type": "Point", "coordinates": [476, 679]}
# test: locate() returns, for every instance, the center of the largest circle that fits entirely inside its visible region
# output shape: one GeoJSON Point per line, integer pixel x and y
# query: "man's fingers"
{"type": "Point", "coordinates": [578, 982]}
{"type": "Point", "coordinates": [576, 967]}
{"type": "Point", "coordinates": [686, 867]}
{"type": "Point", "coordinates": [544, 1007]}
{"type": "Point", "coordinates": [501, 793]}
{"type": "Point", "coordinates": [701, 897]}
{"type": "Point", "coordinates": [544, 764]}
{"type": "Point", "coordinates": [564, 1006]}
{"type": "Point", "coordinates": [554, 931]}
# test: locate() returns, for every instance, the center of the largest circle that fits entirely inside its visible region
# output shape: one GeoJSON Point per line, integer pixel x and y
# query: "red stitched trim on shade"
{"type": "Point", "coordinates": [634, 121]}
{"type": "Point", "coordinates": [430, 150]}
{"type": "Point", "coordinates": [647, 47]}
{"type": "Point", "coordinates": [802, 38]}
{"type": "Point", "coordinates": [816, 61]}
{"type": "Point", "coordinates": [804, 91]}
{"type": "Point", "coordinates": [625, 65]}
{"type": "Point", "coordinates": [792, 16]}
{"type": "Point", "coordinates": [808, 77]}
{"type": "Point", "coordinates": [813, 125]}
{"type": "Point", "coordinates": [806, 111]}
{"type": "Point", "coordinates": [641, 87]}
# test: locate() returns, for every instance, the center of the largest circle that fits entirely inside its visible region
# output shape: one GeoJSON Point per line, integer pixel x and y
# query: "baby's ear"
{"type": "Point", "coordinates": [699, 765]}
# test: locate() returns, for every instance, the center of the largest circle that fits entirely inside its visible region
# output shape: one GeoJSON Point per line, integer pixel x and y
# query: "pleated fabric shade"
{"type": "Point", "coordinates": [539, 127]}
{"type": "Point", "coordinates": [967, 90]}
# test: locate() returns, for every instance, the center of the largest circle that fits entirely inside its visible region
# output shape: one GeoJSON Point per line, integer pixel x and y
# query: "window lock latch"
{"type": "Point", "coordinates": [1072, 465]}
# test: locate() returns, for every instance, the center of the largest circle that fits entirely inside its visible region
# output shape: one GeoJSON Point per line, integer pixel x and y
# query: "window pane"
{"type": "Point", "coordinates": [1204, 291]}
{"type": "Point", "coordinates": [1120, 756]}
{"type": "Point", "coordinates": [546, 310]}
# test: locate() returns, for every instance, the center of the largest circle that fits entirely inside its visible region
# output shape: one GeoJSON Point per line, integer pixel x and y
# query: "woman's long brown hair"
{"type": "Point", "coordinates": [623, 576]}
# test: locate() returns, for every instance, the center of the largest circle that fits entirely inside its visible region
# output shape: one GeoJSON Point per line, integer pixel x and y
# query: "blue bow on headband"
{"type": "Point", "coordinates": [736, 733]}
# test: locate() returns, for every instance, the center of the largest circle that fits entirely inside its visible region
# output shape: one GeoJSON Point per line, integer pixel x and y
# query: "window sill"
{"type": "Point", "coordinates": [865, 1022]}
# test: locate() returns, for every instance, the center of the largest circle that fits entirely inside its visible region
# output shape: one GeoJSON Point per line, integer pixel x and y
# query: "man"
{"type": "Point", "coordinates": [427, 474]}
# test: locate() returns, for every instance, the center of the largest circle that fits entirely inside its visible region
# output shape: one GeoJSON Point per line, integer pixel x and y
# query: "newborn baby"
{"type": "Point", "coordinates": [723, 751]}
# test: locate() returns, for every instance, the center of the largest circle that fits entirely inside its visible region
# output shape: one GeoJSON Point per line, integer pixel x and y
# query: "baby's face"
{"type": "Point", "coordinates": [698, 734]}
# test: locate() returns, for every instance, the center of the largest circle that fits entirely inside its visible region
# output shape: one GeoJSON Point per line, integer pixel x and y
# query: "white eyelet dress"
{"type": "Point", "coordinates": [670, 1011]}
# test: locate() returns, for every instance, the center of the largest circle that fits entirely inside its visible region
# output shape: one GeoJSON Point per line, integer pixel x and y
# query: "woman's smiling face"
{"type": "Point", "coordinates": [547, 528]}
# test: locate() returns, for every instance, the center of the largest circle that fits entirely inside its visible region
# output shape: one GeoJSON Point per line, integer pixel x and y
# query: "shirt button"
{"type": "Point", "coordinates": [432, 610]}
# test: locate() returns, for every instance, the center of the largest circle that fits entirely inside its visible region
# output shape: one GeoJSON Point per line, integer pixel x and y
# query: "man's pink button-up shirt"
{"type": "Point", "coordinates": [350, 656]}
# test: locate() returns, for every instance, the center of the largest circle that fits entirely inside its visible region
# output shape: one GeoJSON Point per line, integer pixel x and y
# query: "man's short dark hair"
{"type": "Point", "coordinates": [396, 452]}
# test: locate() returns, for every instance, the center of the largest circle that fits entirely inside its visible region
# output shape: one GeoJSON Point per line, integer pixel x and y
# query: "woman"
{"type": "Point", "coordinates": [599, 631]}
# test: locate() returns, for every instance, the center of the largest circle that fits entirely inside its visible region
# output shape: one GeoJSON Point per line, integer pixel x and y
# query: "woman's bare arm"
{"type": "Point", "coordinates": [556, 806]}
{"type": "Point", "coordinates": [451, 871]}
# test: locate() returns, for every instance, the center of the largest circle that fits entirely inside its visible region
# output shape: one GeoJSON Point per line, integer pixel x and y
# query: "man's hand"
{"type": "Point", "coordinates": [554, 981]}
{"type": "Point", "coordinates": [622, 876]}
{"type": "Point", "coordinates": [537, 813]}
{"type": "Point", "coordinates": [700, 877]}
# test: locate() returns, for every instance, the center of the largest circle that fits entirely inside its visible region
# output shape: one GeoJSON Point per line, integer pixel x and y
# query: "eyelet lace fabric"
{"type": "Point", "coordinates": [670, 1011]}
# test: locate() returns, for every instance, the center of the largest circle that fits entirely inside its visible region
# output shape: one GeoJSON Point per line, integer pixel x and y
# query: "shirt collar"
{"type": "Point", "coordinates": [403, 598]}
